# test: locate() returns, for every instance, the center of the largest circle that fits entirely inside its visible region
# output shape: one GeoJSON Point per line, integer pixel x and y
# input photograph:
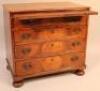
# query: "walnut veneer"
{"type": "Point", "coordinates": [45, 38]}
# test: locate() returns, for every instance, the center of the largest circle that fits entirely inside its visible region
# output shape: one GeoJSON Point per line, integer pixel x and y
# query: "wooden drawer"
{"type": "Point", "coordinates": [27, 67]}
{"type": "Point", "coordinates": [26, 51]}
{"type": "Point", "coordinates": [71, 60]}
{"type": "Point", "coordinates": [72, 44]}
{"type": "Point", "coordinates": [25, 36]}
{"type": "Point", "coordinates": [49, 48]}
{"type": "Point", "coordinates": [26, 20]}
{"type": "Point", "coordinates": [28, 35]}
{"type": "Point", "coordinates": [62, 32]}
{"type": "Point", "coordinates": [54, 47]}
{"type": "Point", "coordinates": [76, 44]}
{"type": "Point", "coordinates": [49, 64]}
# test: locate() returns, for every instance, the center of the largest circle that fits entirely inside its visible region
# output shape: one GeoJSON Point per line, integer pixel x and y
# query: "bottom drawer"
{"type": "Point", "coordinates": [49, 64]}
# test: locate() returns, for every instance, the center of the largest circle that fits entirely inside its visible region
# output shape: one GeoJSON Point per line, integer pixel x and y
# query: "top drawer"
{"type": "Point", "coordinates": [27, 35]}
{"type": "Point", "coordinates": [25, 21]}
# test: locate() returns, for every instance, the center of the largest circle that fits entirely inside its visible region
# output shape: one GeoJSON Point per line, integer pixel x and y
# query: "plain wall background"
{"type": "Point", "coordinates": [89, 82]}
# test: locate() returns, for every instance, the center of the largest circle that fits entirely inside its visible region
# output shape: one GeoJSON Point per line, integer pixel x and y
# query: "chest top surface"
{"type": "Point", "coordinates": [51, 6]}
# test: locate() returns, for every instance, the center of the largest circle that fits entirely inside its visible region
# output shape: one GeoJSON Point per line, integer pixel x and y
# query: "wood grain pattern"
{"type": "Point", "coordinates": [44, 6]}
{"type": "Point", "coordinates": [47, 34]}
{"type": "Point", "coordinates": [49, 29]}
{"type": "Point", "coordinates": [27, 20]}
{"type": "Point", "coordinates": [45, 38]}
{"type": "Point", "coordinates": [26, 51]}
{"type": "Point", "coordinates": [39, 65]}
{"type": "Point", "coordinates": [49, 48]}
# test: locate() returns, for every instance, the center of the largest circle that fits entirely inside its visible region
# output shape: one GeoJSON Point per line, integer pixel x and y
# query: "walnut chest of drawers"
{"type": "Point", "coordinates": [45, 38]}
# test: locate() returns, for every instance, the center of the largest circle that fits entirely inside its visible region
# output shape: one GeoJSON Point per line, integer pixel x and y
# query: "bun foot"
{"type": "Point", "coordinates": [85, 66]}
{"type": "Point", "coordinates": [18, 84]}
{"type": "Point", "coordinates": [80, 72]}
{"type": "Point", "coordinates": [8, 68]}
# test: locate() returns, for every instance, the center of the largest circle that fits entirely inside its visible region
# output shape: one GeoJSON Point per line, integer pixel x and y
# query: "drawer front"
{"type": "Point", "coordinates": [71, 60]}
{"type": "Point", "coordinates": [28, 35]}
{"type": "Point", "coordinates": [73, 44]}
{"type": "Point", "coordinates": [77, 44]}
{"type": "Point", "coordinates": [30, 22]}
{"type": "Point", "coordinates": [25, 36]}
{"type": "Point", "coordinates": [26, 51]}
{"type": "Point", "coordinates": [49, 48]}
{"type": "Point", "coordinates": [49, 64]}
{"type": "Point", "coordinates": [27, 67]}
{"type": "Point", "coordinates": [54, 47]}
{"type": "Point", "coordinates": [74, 60]}
{"type": "Point", "coordinates": [62, 32]}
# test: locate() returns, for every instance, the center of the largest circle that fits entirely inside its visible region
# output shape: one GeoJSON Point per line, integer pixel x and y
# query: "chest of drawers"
{"type": "Point", "coordinates": [45, 38]}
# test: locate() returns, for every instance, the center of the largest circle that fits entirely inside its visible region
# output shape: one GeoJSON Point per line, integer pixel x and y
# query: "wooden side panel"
{"type": "Point", "coordinates": [8, 39]}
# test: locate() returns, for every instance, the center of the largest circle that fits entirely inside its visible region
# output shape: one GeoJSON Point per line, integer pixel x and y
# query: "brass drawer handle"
{"type": "Point", "coordinates": [73, 31]}
{"type": "Point", "coordinates": [76, 43]}
{"type": "Point", "coordinates": [26, 50]}
{"type": "Point", "coordinates": [74, 58]}
{"type": "Point", "coordinates": [27, 66]}
{"type": "Point", "coordinates": [25, 36]}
